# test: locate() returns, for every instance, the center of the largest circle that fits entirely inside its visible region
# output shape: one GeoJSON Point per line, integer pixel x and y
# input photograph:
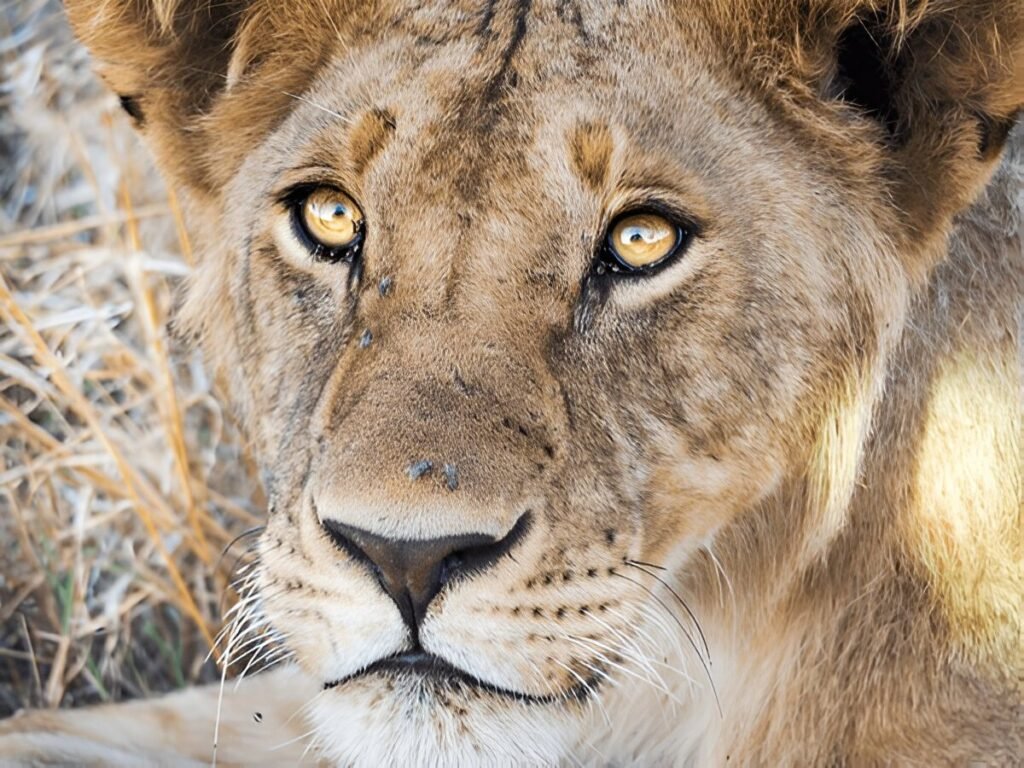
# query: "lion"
{"type": "Point", "coordinates": [632, 383]}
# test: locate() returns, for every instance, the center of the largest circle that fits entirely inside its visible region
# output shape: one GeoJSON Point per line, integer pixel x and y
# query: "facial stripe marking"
{"type": "Point", "coordinates": [590, 147]}
{"type": "Point", "coordinates": [369, 137]}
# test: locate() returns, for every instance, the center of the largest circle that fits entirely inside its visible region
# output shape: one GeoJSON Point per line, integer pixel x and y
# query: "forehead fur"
{"type": "Point", "coordinates": [953, 68]}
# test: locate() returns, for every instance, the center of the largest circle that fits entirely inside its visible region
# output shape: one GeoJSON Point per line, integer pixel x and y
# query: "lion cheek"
{"type": "Point", "coordinates": [691, 497]}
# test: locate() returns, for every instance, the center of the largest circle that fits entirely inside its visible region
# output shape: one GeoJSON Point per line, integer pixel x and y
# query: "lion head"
{"type": "Point", "coordinates": [560, 329]}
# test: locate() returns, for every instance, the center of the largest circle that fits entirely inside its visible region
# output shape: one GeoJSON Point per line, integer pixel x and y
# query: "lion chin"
{"type": "Point", "coordinates": [411, 719]}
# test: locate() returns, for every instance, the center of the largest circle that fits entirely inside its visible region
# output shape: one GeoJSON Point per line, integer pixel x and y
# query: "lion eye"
{"type": "Point", "coordinates": [640, 241]}
{"type": "Point", "coordinates": [332, 220]}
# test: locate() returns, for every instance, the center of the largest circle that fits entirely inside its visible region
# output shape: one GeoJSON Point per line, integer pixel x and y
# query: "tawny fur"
{"type": "Point", "coordinates": [808, 427]}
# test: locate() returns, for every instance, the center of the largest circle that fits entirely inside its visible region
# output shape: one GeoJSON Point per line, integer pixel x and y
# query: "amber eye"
{"type": "Point", "coordinates": [639, 241]}
{"type": "Point", "coordinates": [331, 219]}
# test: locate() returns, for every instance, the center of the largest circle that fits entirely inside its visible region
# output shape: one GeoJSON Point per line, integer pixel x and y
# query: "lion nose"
{"type": "Point", "coordinates": [412, 572]}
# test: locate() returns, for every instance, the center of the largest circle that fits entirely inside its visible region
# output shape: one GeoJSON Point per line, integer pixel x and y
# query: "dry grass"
{"type": "Point", "coordinates": [124, 480]}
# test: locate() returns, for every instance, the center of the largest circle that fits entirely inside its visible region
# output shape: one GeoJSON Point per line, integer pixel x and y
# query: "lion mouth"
{"type": "Point", "coordinates": [432, 669]}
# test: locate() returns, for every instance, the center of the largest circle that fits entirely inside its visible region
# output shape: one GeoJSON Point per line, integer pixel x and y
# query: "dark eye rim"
{"type": "Point", "coordinates": [608, 261]}
{"type": "Point", "coordinates": [294, 200]}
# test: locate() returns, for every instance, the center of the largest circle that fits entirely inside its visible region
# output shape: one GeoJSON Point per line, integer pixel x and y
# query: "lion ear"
{"type": "Point", "coordinates": [944, 81]}
{"type": "Point", "coordinates": [164, 58]}
{"type": "Point", "coordinates": [170, 61]}
{"type": "Point", "coordinates": [961, 64]}
{"type": "Point", "coordinates": [938, 84]}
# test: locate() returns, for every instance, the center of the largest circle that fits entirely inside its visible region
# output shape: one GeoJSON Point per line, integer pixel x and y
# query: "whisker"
{"type": "Point", "coordinates": [689, 637]}
{"type": "Point", "coordinates": [649, 565]}
{"type": "Point", "coordinates": [220, 694]}
{"type": "Point", "coordinates": [304, 710]}
{"type": "Point", "coordinates": [300, 737]}
{"type": "Point", "coordinates": [227, 547]}
{"type": "Point", "coordinates": [591, 644]}
{"type": "Point", "coordinates": [313, 745]}
{"type": "Point", "coordinates": [655, 619]}
{"type": "Point", "coordinates": [270, 652]}
{"type": "Point", "coordinates": [636, 564]}
{"type": "Point", "coordinates": [683, 629]}
{"type": "Point", "coordinates": [641, 656]}
{"type": "Point", "coordinates": [605, 680]}
{"type": "Point", "coordinates": [728, 582]}
{"type": "Point", "coordinates": [321, 107]}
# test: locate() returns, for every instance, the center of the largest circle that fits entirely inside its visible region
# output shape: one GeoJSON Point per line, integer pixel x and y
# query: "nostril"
{"type": "Point", "coordinates": [472, 560]}
{"type": "Point", "coordinates": [450, 567]}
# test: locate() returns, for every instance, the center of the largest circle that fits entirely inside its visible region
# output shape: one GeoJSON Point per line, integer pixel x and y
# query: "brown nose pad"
{"type": "Point", "coordinates": [412, 572]}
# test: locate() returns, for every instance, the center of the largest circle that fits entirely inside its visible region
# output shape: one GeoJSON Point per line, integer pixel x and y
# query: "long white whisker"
{"type": "Point", "coordinates": [592, 644]}
{"type": "Point", "coordinates": [640, 656]}
{"type": "Point", "coordinates": [321, 107]}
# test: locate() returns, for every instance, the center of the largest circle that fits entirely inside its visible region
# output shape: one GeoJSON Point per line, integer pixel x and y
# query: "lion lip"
{"type": "Point", "coordinates": [428, 666]}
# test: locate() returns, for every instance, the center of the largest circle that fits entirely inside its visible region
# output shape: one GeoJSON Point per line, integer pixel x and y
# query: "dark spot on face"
{"type": "Point", "coordinates": [591, 572]}
{"type": "Point", "coordinates": [538, 612]}
{"type": "Point", "coordinates": [584, 610]}
{"type": "Point", "coordinates": [530, 583]}
{"type": "Point", "coordinates": [548, 578]}
{"type": "Point", "coordinates": [516, 610]}
{"type": "Point", "coordinates": [609, 536]}
{"type": "Point", "coordinates": [418, 469]}
{"type": "Point", "coordinates": [560, 613]}
{"type": "Point", "coordinates": [451, 477]}
{"type": "Point", "coordinates": [257, 717]}
{"type": "Point", "coordinates": [461, 384]}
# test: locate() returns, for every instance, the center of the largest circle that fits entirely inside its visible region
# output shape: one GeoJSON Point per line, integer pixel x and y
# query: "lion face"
{"type": "Point", "coordinates": [484, 444]}
{"type": "Point", "coordinates": [489, 437]}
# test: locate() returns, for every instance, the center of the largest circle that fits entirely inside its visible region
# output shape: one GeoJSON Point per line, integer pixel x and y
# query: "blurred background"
{"type": "Point", "coordinates": [127, 498]}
